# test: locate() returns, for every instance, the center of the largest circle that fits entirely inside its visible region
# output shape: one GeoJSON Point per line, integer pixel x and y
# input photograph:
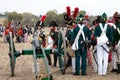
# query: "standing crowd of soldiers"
{"type": "Point", "coordinates": [102, 37]}
{"type": "Point", "coordinates": [19, 31]}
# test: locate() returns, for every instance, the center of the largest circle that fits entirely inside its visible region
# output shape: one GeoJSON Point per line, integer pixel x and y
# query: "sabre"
{"type": "Point", "coordinates": [104, 48]}
{"type": "Point", "coordinates": [94, 52]}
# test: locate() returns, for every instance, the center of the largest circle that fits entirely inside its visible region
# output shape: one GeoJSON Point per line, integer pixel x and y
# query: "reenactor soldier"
{"type": "Point", "coordinates": [93, 43]}
{"type": "Point", "coordinates": [53, 35]}
{"type": "Point", "coordinates": [19, 33]}
{"type": "Point", "coordinates": [103, 34]}
{"type": "Point", "coordinates": [40, 33]}
{"type": "Point", "coordinates": [70, 24]}
{"type": "Point", "coordinates": [80, 37]}
{"type": "Point", "coordinates": [1, 30]}
{"type": "Point", "coordinates": [116, 44]}
{"type": "Point", "coordinates": [7, 30]}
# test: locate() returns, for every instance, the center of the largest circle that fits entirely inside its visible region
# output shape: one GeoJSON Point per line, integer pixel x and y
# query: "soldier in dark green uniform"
{"type": "Point", "coordinates": [116, 44]}
{"type": "Point", "coordinates": [54, 35]}
{"type": "Point", "coordinates": [103, 34]}
{"type": "Point", "coordinates": [81, 53]}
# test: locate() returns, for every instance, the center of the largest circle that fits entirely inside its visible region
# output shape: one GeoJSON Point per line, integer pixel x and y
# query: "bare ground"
{"type": "Point", "coordinates": [23, 69]}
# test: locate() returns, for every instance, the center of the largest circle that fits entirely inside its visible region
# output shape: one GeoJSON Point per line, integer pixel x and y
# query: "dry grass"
{"type": "Point", "coordinates": [23, 69]}
{"type": "Point", "coordinates": [2, 20]}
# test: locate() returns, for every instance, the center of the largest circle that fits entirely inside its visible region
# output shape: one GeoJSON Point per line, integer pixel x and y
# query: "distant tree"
{"type": "Point", "coordinates": [2, 15]}
{"type": "Point", "coordinates": [14, 16]}
{"type": "Point", "coordinates": [29, 18]}
{"type": "Point", "coordinates": [7, 13]}
{"type": "Point", "coordinates": [61, 19]}
{"type": "Point", "coordinates": [53, 15]}
{"type": "Point", "coordinates": [5, 21]}
{"type": "Point", "coordinates": [82, 12]}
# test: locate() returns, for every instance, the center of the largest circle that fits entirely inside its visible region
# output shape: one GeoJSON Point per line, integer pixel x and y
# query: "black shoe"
{"type": "Point", "coordinates": [54, 65]}
{"type": "Point", "coordinates": [76, 74]}
{"type": "Point", "coordinates": [118, 72]}
{"type": "Point", "coordinates": [118, 65]}
{"type": "Point", "coordinates": [49, 64]}
{"type": "Point", "coordinates": [84, 74]}
{"type": "Point", "coordinates": [114, 70]}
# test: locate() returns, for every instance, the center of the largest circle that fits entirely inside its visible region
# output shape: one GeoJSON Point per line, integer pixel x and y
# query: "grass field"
{"type": "Point", "coordinates": [23, 69]}
{"type": "Point", "coordinates": [2, 20]}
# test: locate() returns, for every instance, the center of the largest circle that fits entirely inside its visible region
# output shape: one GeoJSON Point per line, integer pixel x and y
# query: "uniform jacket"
{"type": "Point", "coordinates": [116, 35]}
{"type": "Point", "coordinates": [54, 35]}
{"type": "Point", "coordinates": [98, 32]}
{"type": "Point", "coordinates": [75, 32]}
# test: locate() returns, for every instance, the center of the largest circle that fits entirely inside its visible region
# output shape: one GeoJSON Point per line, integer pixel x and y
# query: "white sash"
{"type": "Point", "coordinates": [118, 30]}
{"type": "Point", "coordinates": [81, 27]}
{"type": "Point", "coordinates": [103, 38]}
{"type": "Point", "coordinates": [103, 29]}
{"type": "Point", "coordinates": [75, 44]}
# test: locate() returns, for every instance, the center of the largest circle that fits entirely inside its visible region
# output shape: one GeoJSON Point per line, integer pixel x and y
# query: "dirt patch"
{"type": "Point", "coordinates": [23, 69]}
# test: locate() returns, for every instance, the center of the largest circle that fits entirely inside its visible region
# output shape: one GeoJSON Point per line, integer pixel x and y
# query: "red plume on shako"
{"type": "Point", "coordinates": [76, 10]}
{"type": "Point", "coordinates": [42, 19]}
{"type": "Point", "coordinates": [86, 16]}
{"type": "Point", "coordinates": [68, 10]}
{"type": "Point", "coordinates": [69, 19]}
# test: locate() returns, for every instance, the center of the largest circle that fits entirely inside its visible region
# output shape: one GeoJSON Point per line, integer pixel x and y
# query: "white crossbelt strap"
{"type": "Point", "coordinates": [80, 32]}
{"type": "Point", "coordinates": [118, 30]}
{"type": "Point", "coordinates": [103, 29]}
{"type": "Point", "coordinates": [102, 39]}
{"type": "Point", "coordinates": [81, 27]}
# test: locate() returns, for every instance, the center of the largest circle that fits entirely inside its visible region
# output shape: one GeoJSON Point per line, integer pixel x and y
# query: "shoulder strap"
{"type": "Point", "coordinates": [118, 30]}
{"type": "Point", "coordinates": [83, 35]}
{"type": "Point", "coordinates": [79, 33]}
{"type": "Point", "coordinates": [103, 29]}
{"type": "Point", "coordinates": [77, 37]}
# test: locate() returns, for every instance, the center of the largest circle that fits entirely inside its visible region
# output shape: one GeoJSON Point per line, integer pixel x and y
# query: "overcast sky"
{"type": "Point", "coordinates": [37, 7]}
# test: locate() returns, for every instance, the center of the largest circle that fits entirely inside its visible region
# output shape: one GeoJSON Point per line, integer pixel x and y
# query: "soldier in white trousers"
{"type": "Point", "coordinates": [103, 34]}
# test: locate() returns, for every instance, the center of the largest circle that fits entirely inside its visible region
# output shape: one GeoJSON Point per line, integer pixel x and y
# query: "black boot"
{"type": "Point", "coordinates": [49, 59]}
{"type": "Point", "coordinates": [69, 62]}
{"type": "Point", "coordinates": [55, 60]}
{"type": "Point", "coordinates": [118, 65]}
{"type": "Point", "coordinates": [114, 70]}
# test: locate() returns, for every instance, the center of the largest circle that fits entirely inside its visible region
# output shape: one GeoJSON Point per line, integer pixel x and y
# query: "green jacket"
{"type": "Point", "coordinates": [116, 35]}
{"type": "Point", "coordinates": [75, 32]}
{"type": "Point", "coordinates": [98, 32]}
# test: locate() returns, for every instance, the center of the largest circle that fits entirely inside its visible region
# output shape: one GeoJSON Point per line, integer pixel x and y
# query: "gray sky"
{"type": "Point", "coordinates": [37, 7]}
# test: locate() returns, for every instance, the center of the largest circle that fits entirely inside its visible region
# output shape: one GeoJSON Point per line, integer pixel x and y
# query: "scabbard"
{"type": "Point", "coordinates": [94, 51]}
{"type": "Point", "coordinates": [104, 49]}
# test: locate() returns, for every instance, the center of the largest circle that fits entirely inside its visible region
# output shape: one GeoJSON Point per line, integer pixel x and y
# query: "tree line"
{"type": "Point", "coordinates": [28, 18]}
